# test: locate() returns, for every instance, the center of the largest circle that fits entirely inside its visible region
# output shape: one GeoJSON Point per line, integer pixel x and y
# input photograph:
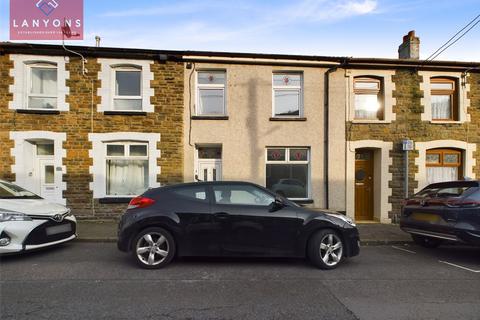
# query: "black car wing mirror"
{"type": "Point", "coordinates": [277, 204]}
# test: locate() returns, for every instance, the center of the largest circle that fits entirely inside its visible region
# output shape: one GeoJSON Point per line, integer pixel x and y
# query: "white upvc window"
{"type": "Point", "coordinates": [287, 94]}
{"type": "Point", "coordinates": [42, 86]}
{"type": "Point", "coordinates": [127, 89]}
{"type": "Point", "coordinates": [126, 85]}
{"type": "Point", "coordinates": [288, 171]}
{"type": "Point", "coordinates": [127, 168]}
{"type": "Point", "coordinates": [211, 99]}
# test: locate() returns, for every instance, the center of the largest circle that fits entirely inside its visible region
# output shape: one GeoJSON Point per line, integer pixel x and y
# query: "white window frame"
{"type": "Point", "coordinates": [388, 86]}
{"type": "Point", "coordinates": [298, 89]}
{"type": "Point", "coordinates": [98, 155]}
{"type": "Point", "coordinates": [288, 161]}
{"type": "Point", "coordinates": [20, 72]}
{"type": "Point", "coordinates": [114, 87]}
{"type": "Point", "coordinates": [29, 84]}
{"type": "Point", "coordinates": [126, 156]}
{"type": "Point", "coordinates": [210, 87]}
{"type": "Point", "coordinates": [462, 92]}
{"type": "Point", "coordinates": [107, 76]}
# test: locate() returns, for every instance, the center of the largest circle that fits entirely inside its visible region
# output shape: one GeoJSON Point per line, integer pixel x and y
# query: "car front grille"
{"type": "Point", "coordinates": [39, 234]}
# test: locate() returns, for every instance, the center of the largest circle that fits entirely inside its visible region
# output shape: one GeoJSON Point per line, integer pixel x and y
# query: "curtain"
{"type": "Point", "coordinates": [127, 177]}
{"type": "Point", "coordinates": [441, 174]}
{"type": "Point", "coordinates": [441, 107]}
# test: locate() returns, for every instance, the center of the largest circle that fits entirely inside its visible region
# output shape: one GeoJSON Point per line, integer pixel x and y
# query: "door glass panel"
{"type": "Point", "coordinates": [49, 174]}
{"type": "Point", "coordinates": [242, 195]}
{"type": "Point", "coordinates": [45, 149]}
{"type": "Point", "coordinates": [360, 175]}
{"type": "Point", "coordinates": [205, 174]}
{"type": "Point", "coordinates": [214, 174]}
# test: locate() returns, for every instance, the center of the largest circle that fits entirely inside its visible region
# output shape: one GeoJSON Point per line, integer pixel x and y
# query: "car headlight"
{"type": "Point", "coordinates": [344, 218]}
{"type": "Point", "coordinates": [8, 215]}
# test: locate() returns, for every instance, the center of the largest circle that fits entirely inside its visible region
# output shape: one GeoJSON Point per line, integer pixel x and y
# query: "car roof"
{"type": "Point", "coordinates": [203, 183]}
{"type": "Point", "coordinates": [452, 184]}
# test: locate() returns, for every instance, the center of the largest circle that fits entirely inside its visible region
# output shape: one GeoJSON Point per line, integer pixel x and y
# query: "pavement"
{"type": "Point", "coordinates": [370, 233]}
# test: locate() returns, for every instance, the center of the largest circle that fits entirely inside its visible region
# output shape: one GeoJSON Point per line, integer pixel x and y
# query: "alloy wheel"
{"type": "Point", "coordinates": [331, 249]}
{"type": "Point", "coordinates": [152, 248]}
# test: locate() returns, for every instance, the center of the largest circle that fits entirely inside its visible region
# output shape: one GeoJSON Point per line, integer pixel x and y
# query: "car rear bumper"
{"type": "Point", "coordinates": [460, 232]}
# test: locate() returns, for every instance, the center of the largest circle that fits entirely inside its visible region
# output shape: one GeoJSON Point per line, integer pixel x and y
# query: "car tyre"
{"type": "Point", "coordinates": [153, 248]}
{"type": "Point", "coordinates": [326, 249]}
{"type": "Point", "coordinates": [426, 242]}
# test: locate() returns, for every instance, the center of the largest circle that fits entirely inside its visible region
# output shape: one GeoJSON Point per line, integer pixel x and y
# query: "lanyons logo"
{"type": "Point", "coordinates": [47, 7]}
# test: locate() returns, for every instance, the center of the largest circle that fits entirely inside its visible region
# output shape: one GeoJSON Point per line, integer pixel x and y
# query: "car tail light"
{"type": "Point", "coordinates": [140, 202]}
{"type": "Point", "coordinates": [457, 203]}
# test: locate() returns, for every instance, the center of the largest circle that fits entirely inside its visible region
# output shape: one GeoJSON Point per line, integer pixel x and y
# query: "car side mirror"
{"type": "Point", "coordinates": [277, 204]}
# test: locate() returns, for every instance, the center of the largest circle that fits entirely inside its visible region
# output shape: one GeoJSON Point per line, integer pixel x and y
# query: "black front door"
{"type": "Point", "coordinates": [251, 227]}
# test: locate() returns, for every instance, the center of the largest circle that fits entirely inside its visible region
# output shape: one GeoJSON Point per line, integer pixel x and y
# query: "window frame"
{"type": "Point", "coordinates": [378, 92]}
{"type": "Point", "coordinates": [114, 96]}
{"type": "Point", "coordinates": [126, 156]}
{"type": "Point", "coordinates": [29, 84]}
{"type": "Point", "coordinates": [214, 86]}
{"type": "Point", "coordinates": [442, 152]}
{"type": "Point", "coordinates": [452, 93]}
{"type": "Point", "coordinates": [290, 162]}
{"type": "Point", "coordinates": [289, 88]}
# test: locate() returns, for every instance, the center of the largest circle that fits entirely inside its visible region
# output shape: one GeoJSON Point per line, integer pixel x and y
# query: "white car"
{"type": "Point", "coordinates": [28, 222]}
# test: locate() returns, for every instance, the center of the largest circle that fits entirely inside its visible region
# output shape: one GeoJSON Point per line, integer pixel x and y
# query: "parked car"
{"type": "Point", "coordinates": [231, 219]}
{"type": "Point", "coordinates": [28, 222]}
{"type": "Point", "coordinates": [446, 211]}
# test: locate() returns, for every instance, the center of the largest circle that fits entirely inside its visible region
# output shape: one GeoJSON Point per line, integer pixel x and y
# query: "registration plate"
{"type": "Point", "coordinates": [426, 217]}
{"type": "Point", "coordinates": [58, 229]}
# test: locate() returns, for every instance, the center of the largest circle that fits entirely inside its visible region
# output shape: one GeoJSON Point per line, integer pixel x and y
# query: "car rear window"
{"type": "Point", "coordinates": [444, 192]}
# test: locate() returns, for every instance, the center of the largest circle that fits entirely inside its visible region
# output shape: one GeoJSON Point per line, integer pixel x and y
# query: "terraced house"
{"type": "Point", "coordinates": [326, 132]}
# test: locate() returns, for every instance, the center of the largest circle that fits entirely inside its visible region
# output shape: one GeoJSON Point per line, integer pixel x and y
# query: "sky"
{"type": "Point", "coordinates": [354, 28]}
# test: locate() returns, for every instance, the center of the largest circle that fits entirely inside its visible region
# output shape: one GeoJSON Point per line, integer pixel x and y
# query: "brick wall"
{"type": "Point", "coordinates": [408, 124]}
{"type": "Point", "coordinates": [77, 124]}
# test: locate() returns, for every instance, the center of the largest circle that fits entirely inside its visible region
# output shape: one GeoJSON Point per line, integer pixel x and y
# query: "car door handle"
{"type": "Point", "coordinates": [221, 215]}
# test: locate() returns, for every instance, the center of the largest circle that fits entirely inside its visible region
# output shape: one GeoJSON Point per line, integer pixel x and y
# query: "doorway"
{"type": "Point", "coordinates": [364, 184]}
{"type": "Point", "coordinates": [209, 163]}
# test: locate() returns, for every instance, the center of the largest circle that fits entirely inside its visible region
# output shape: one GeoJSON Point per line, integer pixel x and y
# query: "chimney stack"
{"type": "Point", "coordinates": [410, 48]}
{"type": "Point", "coordinates": [97, 41]}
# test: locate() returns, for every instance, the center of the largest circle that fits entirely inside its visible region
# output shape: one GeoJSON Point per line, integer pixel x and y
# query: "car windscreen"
{"type": "Point", "coordinates": [11, 191]}
{"type": "Point", "coordinates": [443, 192]}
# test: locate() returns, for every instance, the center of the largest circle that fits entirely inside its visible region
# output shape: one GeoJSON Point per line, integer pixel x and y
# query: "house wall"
{"type": "Point", "coordinates": [83, 119]}
{"type": "Point", "coordinates": [409, 111]}
{"type": "Point", "coordinates": [249, 130]}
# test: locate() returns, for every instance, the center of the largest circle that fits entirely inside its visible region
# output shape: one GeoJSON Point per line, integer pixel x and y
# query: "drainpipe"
{"type": "Point", "coordinates": [326, 140]}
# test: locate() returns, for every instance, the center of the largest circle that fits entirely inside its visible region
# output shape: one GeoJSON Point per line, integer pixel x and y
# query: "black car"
{"type": "Point", "coordinates": [446, 211]}
{"type": "Point", "coordinates": [231, 219]}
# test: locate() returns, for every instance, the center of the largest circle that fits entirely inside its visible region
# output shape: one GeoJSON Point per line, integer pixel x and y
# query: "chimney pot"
{"type": "Point", "coordinates": [410, 48]}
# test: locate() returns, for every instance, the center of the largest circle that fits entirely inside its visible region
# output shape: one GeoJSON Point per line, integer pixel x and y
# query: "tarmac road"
{"type": "Point", "coordinates": [95, 281]}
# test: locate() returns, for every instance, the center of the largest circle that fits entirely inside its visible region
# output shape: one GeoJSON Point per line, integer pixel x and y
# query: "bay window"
{"type": "Point", "coordinates": [287, 172]}
{"type": "Point", "coordinates": [42, 90]}
{"type": "Point", "coordinates": [126, 168]}
{"type": "Point", "coordinates": [287, 95]}
{"type": "Point", "coordinates": [211, 93]}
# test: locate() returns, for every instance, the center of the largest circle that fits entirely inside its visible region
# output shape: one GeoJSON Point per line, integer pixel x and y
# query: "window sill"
{"type": "Point", "coordinates": [37, 111]}
{"type": "Point", "coordinates": [302, 201]}
{"type": "Point", "coordinates": [115, 200]}
{"type": "Point", "coordinates": [288, 119]}
{"type": "Point", "coordinates": [370, 121]}
{"type": "Point", "coordinates": [446, 122]}
{"type": "Point", "coordinates": [209, 117]}
{"type": "Point", "coordinates": [124, 113]}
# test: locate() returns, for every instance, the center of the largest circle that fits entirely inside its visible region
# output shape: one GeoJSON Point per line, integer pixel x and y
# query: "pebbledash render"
{"type": "Point", "coordinates": [326, 132]}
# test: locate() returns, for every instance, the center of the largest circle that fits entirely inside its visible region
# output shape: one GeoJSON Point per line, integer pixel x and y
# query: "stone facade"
{"type": "Point", "coordinates": [409, 125]}
{"type": "Point", "coordinates": [83, 119]}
